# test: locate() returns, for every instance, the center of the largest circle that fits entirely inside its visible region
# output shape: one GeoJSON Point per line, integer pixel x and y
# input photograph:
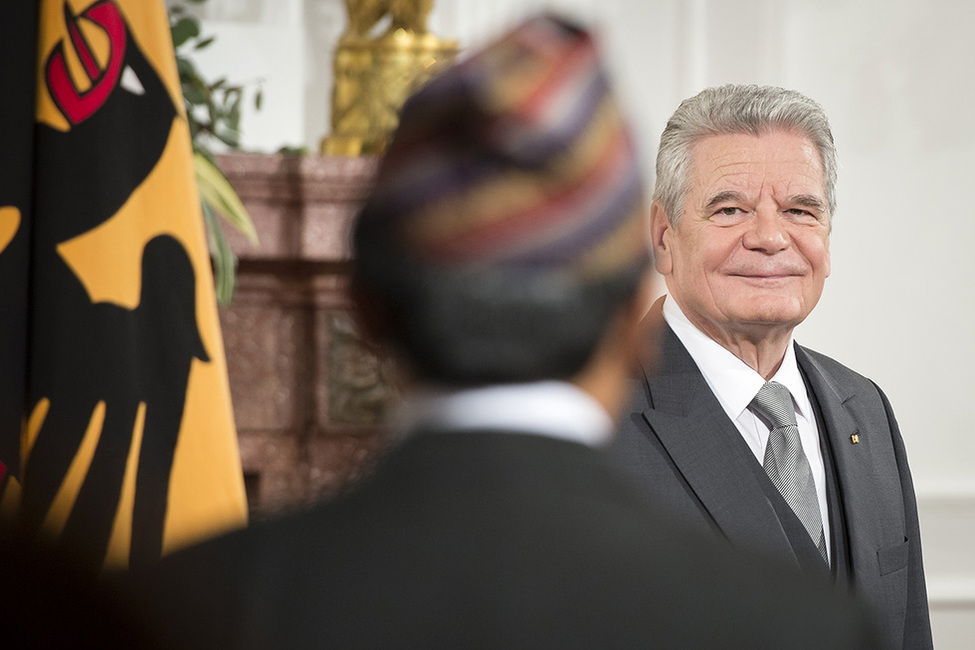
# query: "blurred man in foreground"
{"type": "Point", "coordinates": [740, 431]}
{"type": "Point", "coordinates": [502, 258]}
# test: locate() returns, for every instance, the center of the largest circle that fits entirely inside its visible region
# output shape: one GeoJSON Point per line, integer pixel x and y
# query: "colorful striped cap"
{"type": "Point", "coordinates": [516, 159]}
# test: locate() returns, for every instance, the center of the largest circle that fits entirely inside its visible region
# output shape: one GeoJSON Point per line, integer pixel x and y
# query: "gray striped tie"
{"type": "Point", "coordinates": [785, 463]}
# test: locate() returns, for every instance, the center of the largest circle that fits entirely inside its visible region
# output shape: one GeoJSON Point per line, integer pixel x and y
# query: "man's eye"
{"type": "Point", "coordinates": [800, 213]}
{"type": "Point", "coordinates": [729, 212]}
{"type": "Point", "coordinates": [728, 216]}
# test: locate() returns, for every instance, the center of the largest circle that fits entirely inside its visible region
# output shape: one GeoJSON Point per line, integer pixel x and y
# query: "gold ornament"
{"type": "Point", "coordinates": [375, 75]}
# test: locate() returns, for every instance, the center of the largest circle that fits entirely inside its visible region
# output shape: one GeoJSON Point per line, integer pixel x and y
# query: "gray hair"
{"type": "Point", "coordinates": [730, 109]}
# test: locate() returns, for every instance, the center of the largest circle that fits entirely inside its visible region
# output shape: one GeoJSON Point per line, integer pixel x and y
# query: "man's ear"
{"type": "Point", "coordinates": [373, 319]}
{"type": "Point", "coordinates": [607, 373]}
{"type": "Point", "coordinates": [660, 234]}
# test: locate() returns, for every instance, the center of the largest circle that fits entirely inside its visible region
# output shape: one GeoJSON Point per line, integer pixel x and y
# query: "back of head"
{"type": "Point", "coordinates": [507, 222]}
{"type": "Point", "coordinates": [734, 109]}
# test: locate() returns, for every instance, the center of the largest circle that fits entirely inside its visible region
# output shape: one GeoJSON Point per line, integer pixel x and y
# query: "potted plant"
{"type": "Point", "coordinates": [213, 115]}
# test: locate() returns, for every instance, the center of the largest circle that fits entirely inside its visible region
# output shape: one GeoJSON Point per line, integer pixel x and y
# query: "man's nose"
{"type": "Point", "coordinates": [767, 231]}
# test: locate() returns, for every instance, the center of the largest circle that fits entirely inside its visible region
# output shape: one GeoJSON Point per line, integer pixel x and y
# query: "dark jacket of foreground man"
{"type": "Point", "coordinates": [496, 540]}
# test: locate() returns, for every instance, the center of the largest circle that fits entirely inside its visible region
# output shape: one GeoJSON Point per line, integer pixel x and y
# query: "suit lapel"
{"type": "Point", "coordinates": [708, 451]}
{"type": "Point", "coordinates": [858, 482]}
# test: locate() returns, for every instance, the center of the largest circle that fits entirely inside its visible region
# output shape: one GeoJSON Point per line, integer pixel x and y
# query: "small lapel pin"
{"type": "Point", "coordinates": [855, 438]}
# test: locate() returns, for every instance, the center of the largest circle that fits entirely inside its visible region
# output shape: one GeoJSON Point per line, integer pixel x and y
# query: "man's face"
{"type": "Point", "coordinates": [750, 254]}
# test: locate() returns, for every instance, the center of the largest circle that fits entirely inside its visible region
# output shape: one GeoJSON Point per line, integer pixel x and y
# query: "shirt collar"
{"type": "Point", "coordinates": [731, 380]}
{"type": "Point", "coordinates": [551, 408]}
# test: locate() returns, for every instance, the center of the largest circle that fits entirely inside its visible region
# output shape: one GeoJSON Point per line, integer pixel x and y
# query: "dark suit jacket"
{"type": "Point", "coordinates": [487, 540]}
{"type": "Point", "coordinates": [684, 449]}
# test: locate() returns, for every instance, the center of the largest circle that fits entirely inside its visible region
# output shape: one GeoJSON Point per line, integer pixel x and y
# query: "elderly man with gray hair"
{"type": "Point", "coordinates": [740, 431]}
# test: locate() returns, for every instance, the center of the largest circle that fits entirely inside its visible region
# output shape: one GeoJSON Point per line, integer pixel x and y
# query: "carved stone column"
{"type": "Point", "coordinates": [307, 393]}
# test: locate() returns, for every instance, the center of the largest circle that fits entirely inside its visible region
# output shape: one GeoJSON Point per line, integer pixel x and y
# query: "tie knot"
{"type": "Point", "coordinates": [774, 403]}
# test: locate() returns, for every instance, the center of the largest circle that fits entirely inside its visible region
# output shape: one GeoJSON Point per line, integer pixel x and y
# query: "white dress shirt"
{"type": "Point", "coordinates": [735, 385]}
{"type": "Point", "coordinates": [549, 408]}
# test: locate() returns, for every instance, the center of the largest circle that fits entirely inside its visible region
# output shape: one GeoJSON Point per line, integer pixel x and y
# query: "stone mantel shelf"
{"type": "Point", "coordinates": [302, 206]}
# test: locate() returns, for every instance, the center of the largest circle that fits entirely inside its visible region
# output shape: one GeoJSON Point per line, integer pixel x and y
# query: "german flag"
{"type": "Point", "coordinates": [116, 430]}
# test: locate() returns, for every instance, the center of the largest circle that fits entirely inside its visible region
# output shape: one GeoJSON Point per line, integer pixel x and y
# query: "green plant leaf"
{"type": "Point", "coordinates": [187, 71]}
{"type": "Point", "coordinates": [199, 151]}
{"type": "Point", "coordinates": [212, 113]}
{"type": "Point", "coordinates": [231, 98]}
{"type": "Point", "coordinates": [194, 95]}
{"type": "Point", "coordinates": [217, 191]}
{"type": "Point", "coordinates": [185, 29]}
{"type": "Point", "coordinates": [258, 99]}
{"type": "Point", "coordinates": [224, 260]}
{"type": "Point", "coordinates": [229, 137]}
{"type": "Point", "coordinates": [232, 117]}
